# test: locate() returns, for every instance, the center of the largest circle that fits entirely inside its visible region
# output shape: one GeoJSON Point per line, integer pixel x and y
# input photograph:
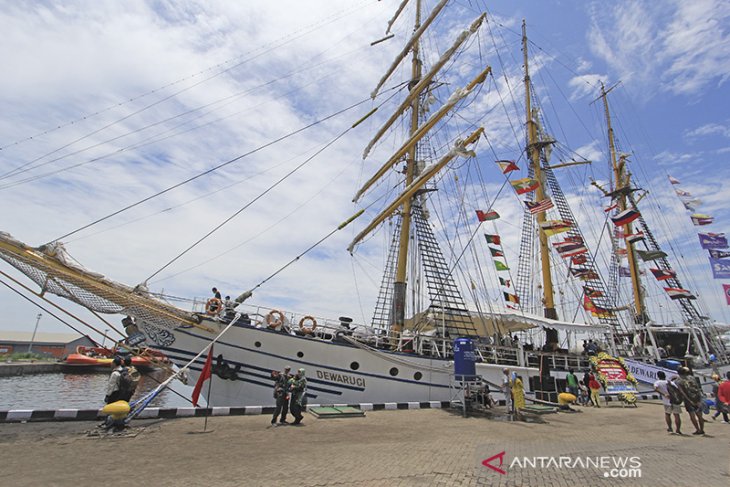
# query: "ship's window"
{"type": "Point", "coordinates": [417, 376]}
{"type": "Point", "coordinates": [258, 344]}
{"type": "Point", "coordinates": [394, 371]}
{"type": "Point", "coordinates": [354, 366]}
{"type": "Point", "coordinates": [300, 354]}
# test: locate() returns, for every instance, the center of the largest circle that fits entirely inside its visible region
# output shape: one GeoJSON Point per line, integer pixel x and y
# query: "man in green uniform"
{"type": "Point", "coordinates": [298, 390]}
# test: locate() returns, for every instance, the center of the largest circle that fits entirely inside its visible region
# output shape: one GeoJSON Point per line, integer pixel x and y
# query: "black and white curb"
{"type": "Point", "coordinates": [26, 415]}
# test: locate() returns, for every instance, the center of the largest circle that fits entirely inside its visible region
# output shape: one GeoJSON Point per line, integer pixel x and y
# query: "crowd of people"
{"type": "Point", "coordinates": [685, 390]}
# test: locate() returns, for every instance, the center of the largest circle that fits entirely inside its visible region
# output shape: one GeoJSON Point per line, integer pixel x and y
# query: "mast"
{"type": "Point", "coordinates": [533, 149]}
{"type": "Point", "coordinates": [622, 180]}
{"type": "Point", "coordinates": [399, 289]}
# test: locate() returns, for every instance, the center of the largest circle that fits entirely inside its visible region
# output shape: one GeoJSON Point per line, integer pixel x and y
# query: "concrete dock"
{"type": "Point", "coordinates": [27, 368]}
{"type": "Point", "coordinates": [384, 448]}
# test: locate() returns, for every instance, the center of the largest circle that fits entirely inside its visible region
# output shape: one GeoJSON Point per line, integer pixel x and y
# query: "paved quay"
{"type": "Point", "coordinates": [385, 448]}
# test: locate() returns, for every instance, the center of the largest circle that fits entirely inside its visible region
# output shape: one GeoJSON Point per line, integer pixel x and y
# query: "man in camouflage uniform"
{"type": "Point", "coordinates": [281, 394]}
{"type": "Point", "coordinates": [298, 389]}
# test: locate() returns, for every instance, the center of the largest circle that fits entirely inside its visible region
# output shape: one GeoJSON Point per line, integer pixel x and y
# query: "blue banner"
{"type": "Point", "coordinates": [720, 268]}
{"type": "Point", "coordinates": [719, 254]}
{"type": "Point", "coordinates": [713, 240]}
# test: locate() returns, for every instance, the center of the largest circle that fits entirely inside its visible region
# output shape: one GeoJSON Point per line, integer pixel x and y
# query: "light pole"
{"type": "Point", "coordinates": [103, 339]}
{"type": "Point", "coordinates": [32, 339]}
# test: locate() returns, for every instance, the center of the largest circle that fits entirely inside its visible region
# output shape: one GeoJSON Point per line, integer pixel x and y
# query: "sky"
{"type": "Point", "coordinates": [105, 104]}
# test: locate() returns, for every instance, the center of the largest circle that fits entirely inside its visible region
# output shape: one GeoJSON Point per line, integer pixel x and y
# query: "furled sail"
{"type": "Point", "coordinates": [414, 38]}
{"type": "Point", "coordinates": [455, 97]}
{"type": "Point", "coordinates": [425, 81]}
{"type": "Point", "coordinates": [459, 149]}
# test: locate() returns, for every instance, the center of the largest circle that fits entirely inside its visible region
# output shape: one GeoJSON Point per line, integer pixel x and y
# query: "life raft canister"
{"type": "Point", "coordinates": [308, 330]}
{"type": "Point", "coordinates": [274, 319]}
{"type": "Point", "coordinates": [213, 306]}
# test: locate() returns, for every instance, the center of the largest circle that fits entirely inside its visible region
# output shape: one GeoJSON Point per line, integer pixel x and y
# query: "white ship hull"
{"type": "Point", "coordinates": [337, 373]}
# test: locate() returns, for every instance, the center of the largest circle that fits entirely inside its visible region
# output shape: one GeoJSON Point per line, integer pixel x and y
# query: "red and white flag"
{"type": "Point", "coordinates": [204, 375]}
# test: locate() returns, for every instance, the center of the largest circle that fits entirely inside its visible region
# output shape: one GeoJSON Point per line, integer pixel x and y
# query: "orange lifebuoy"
{"type": "Point", "coordinates": [213, 306]}
{"type": "Point", "coordinates": [275, 318]}
{"type": "Point", "coordinates": [305, 329]}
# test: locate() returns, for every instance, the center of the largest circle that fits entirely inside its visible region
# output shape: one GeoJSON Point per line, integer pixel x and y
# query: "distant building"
{"type": "Point", "coordinates": [56, 345]}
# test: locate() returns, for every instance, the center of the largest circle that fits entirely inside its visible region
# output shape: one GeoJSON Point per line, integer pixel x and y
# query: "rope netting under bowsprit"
{"type": "Point", "coordinates": [91, 291]}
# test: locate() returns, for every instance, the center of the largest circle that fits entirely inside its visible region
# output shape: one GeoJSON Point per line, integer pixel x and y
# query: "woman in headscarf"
{"type": "Point", "coordinates": [298, 388]}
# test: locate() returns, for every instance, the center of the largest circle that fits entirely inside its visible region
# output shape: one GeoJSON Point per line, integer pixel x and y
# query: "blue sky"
{"type": "Point", "coordinates": [280, 67]}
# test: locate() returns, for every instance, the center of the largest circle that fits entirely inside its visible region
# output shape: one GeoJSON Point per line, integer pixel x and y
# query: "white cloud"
{"type": "Point", "coordinates": [682, 47]}
{"type": "Point", "coordinates": [586, 85]}
{"type": "Point", "coordinates": [667, 158]}
{"type": "Point", "coordinates": [708, 130]}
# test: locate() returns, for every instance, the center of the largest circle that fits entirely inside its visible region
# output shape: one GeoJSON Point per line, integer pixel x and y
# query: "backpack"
{"type": "Point", "coordinates": [675, 397]}
{"type": "Point", "coordinates": [691, 390]}
{"type": "Point", "coordinates": [127, 384]}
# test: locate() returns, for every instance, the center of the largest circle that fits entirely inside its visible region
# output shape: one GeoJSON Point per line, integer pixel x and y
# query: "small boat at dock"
{"type": "Point", "coordinates": [100, 358]}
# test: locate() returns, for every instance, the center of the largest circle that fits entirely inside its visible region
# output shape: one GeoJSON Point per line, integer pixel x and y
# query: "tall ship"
{"type": "Point", "coordinates": [425, 196]}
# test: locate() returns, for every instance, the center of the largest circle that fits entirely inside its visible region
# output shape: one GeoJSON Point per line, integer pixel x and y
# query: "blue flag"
{"type": "Point", "coordinates": [720, 268]}
{"type": "Point", "coordinates": [713, 240]}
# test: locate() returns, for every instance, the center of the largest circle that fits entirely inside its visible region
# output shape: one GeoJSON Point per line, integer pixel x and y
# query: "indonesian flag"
{"type": "Point", "coordinates": [663, 274]}
{"type": "Point", "coordinates": [507, 166]}
{"type": "Point", "coordinates": [673, 180]}
{"type": "Point", "coordinates": [625, 217]}
{"type": "Point", "coordinates": [525, 185]}
{"type": "Point", "coordinates": [679, 293]}
{"type": "Point", "coordinates": [485, 216]}
{"type": "Point", "coordinates": [204, 375]}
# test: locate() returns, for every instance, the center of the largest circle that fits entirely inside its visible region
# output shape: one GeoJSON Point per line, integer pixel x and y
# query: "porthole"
{"type": "Point", "coordinates": [300, 354]}
{"type": "Point", "coordinates": [418, 376]}
{"type": "Point", "coordinates": [258, 344]}
{"type": "Point", "coordinates": [394, 371]}
{"type": "Point", "coordinates": [354, 366]}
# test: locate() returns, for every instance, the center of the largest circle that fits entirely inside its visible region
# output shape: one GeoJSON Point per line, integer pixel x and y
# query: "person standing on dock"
{"type": "Point", "coordinates": [298, 386]}
{"type": "Point", "coordinates": [662, 386]}
{"type": "Point", "coordinates": [112, 387]}
{"type": "Point", "coordinates": [128, 380]}
{"type": "Point", "coordinates": [281, 394]}
{"type": "Point", "coordinates": [572, 382]}
{"type": "Point", "coordinates": [507, 389]}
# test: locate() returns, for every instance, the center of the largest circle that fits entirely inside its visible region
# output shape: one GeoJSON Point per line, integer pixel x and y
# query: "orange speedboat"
{"type": "Point", "coordinates": [87, 358]}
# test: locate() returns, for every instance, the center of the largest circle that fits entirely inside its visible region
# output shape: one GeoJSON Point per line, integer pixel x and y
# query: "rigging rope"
{"type": "Point", "coordinates": [209, 171]}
